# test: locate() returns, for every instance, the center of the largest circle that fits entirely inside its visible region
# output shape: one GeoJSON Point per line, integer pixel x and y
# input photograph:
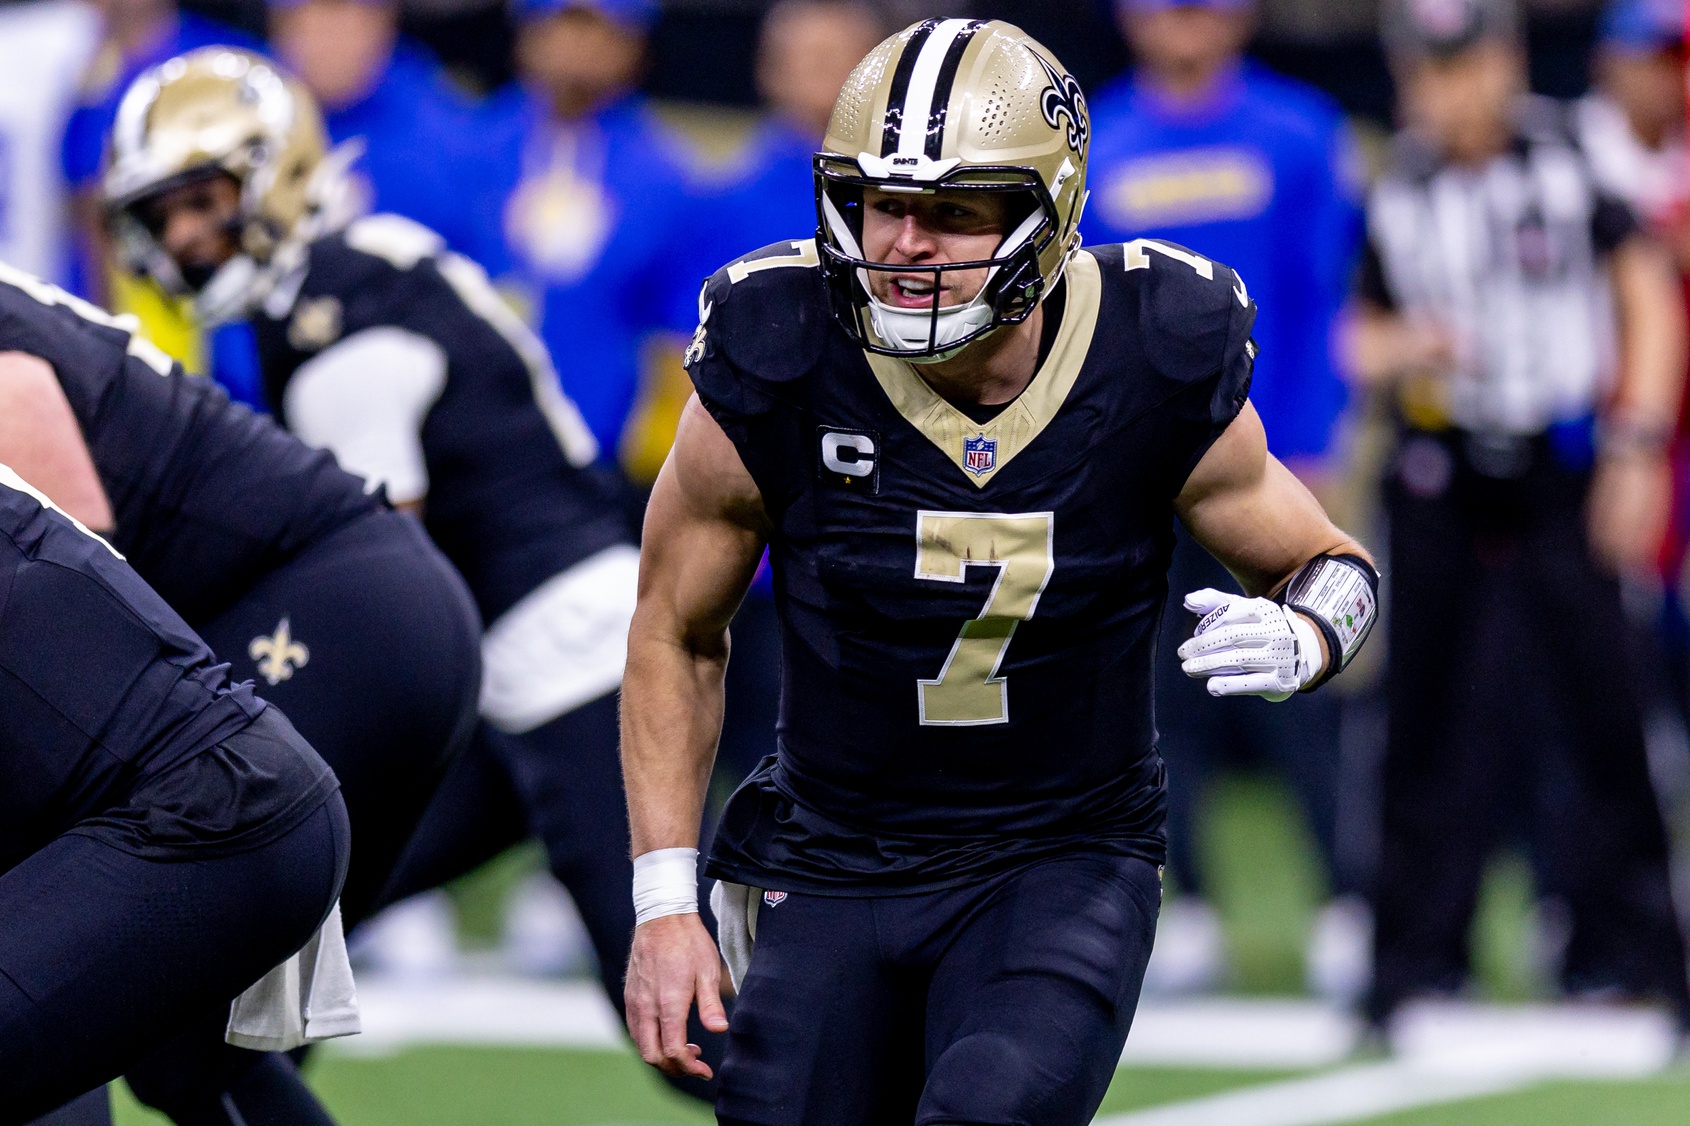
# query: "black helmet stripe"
{"type": "Point", "coordinates": [901, 86]}
{"type": "Point", "coordinates": [942, 89]}
{"type": "Point", "coordinates": [930, 59]}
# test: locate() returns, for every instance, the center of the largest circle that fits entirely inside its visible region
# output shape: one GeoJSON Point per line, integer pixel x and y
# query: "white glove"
{"type": "Point", "coordinates": [1249, 646]}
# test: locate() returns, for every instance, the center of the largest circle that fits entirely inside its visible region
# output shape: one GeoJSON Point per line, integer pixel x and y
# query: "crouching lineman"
{"type": "Point", "coordinates": [965, 441]}
{"type": "Point", "coordinates": [165, 838]}
{"type": "Point", "coordinates": [287, 567]}
{"type": "Point", "coordinates": [378, 344]}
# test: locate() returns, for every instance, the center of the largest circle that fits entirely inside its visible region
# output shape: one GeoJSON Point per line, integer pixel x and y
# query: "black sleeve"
{"type": "Point", "coordinates": [1195, 331]}
{"type": "Point", "coordinates": [1612, 221]}
{"type": "Point", "coordinates": [1370, 283]}
{"type": "Point", "coordinates": [758, 338]}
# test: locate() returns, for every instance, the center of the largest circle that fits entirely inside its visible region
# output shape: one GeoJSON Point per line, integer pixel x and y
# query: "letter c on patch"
{"type": "Point", "coordinates": [858, 448]}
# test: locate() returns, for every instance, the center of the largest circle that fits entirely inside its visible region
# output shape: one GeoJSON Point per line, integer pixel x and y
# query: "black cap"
{"type": "Point", "coordinates": [1442, 28]}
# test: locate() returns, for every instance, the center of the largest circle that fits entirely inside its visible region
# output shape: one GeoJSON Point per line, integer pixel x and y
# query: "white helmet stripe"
{"type": "Point", "coordinates": [924, 79]}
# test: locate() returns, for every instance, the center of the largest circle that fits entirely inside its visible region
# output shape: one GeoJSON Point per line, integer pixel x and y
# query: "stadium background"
{"type": "Point", "coordinates": [500, 1028]}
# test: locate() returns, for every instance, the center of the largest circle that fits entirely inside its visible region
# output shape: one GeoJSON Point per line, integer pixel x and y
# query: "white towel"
{"type": "Point", "coordinates": [735, 906]}
{"type": "Point", "coordinates": [309, 997]}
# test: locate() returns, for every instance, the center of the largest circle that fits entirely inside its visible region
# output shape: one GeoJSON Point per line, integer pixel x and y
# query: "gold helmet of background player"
{"type": "Point", "coordinates": [223, 111]}
{"type": "Point", "coordinates": [953, 104]}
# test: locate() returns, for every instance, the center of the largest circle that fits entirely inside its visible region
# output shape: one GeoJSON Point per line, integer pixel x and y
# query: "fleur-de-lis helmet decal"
{"type": "Point", "coordinates": [1063, 98]}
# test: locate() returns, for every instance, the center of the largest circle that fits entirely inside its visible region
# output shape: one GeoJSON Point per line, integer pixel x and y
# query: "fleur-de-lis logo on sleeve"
{"type": "Point", "coordinates": [279, 655]}
{"type": "Point", "coordinates": [1063, 98]}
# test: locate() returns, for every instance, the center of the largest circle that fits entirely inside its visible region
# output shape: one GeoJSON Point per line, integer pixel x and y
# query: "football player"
{"type": "Point", "coordinates": [965, 442]}
{"type": "Point", "coordinates": [380, 345]}
{"type": "Point", "coordinates": [285, 564]}
{"type": "Point", "coordinates": [165, 837]}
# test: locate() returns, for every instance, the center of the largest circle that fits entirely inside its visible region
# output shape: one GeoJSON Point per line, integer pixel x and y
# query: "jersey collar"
{"type": "Point", "coordinates": [1024, 419]}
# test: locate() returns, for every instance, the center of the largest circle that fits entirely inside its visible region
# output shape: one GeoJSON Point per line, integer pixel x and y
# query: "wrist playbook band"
{"type": "Point", "coordinates": [1341, 594]}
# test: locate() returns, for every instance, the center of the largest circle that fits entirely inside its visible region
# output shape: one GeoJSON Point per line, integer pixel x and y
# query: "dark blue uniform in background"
{"type": "Point", "coordinates": [339, 606]}
{"type": "Point", "coordinates": [165, 839]}
{"type": "Point", "coordinates": [964, 819]}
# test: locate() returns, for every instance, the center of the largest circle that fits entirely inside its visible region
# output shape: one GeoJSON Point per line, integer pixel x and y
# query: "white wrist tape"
{"type": "Point", "coordinates": [665, 883]}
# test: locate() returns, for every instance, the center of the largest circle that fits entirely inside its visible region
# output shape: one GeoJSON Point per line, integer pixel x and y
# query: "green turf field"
{"type": "Point", "coordinates": [1266, 886]}
{"type": "Point", "coordinates": [526, 1087]}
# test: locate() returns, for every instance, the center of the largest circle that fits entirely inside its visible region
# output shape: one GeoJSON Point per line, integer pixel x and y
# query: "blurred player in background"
{"type": "Point", "coordinates": [1200, 146]}
{"type": "Point", "coordinates": [582, 200]}
{"type": "Point", "coordinates": [165, 838]}
{"type": "Point", "coordinates": [964, 441]}
{"type": "Point", "coordinates": [137, 34]}
{"type": "Point", "coordinates": [286, 566]}
{"type": "Point", "coordinates": [380, 345]}
{"type": "Point", "coordinates": [1526, 479]}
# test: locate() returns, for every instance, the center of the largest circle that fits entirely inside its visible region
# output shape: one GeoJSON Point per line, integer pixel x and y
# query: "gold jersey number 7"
{"type": "Point", "coordinates": [968, 690]}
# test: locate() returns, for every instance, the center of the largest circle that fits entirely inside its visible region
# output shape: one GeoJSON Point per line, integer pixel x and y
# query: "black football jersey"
{"type": "Point", "coordinates": [207, 496]}
{"type": "Point", "coordinates": [514, 495]}
{"type": "Point", "coordinates": [969, 610]}
{"type": "Point", "coordinates": [101, 683]}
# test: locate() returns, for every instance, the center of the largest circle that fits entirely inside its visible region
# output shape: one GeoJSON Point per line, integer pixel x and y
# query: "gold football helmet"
{"type": "Point", "coordinates": [219, 110]}
{"type": "Point", "coordinates": [953, 104]}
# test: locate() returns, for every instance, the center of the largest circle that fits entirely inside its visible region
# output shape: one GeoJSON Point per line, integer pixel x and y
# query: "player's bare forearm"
{"type": "Point", "coordinates": [703, 538]}
{"type": "Point", "coordinates": [40, 440]}
{"type": "Point", "coordinates": [1253, 514]}
{"type": "Point", "coordinates": [1652, 336]}
{"type": "Point", "coordinates": [704, 533]}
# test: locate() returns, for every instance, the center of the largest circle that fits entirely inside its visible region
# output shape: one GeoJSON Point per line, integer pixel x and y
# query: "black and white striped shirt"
{"type": "Point", "coordinates": [1511, 257]}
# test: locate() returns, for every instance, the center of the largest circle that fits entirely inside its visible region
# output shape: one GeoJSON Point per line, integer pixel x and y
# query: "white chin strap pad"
{"type": "Point", "coordinates": [228, 295]}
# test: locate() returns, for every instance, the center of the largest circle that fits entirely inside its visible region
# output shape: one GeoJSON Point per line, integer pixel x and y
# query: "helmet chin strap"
{"type": "Point", "coordinates": [917, 330]}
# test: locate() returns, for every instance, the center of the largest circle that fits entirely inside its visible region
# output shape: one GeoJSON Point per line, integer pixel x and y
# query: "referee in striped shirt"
{"type": "Point", "coordinates": [1535, 346]}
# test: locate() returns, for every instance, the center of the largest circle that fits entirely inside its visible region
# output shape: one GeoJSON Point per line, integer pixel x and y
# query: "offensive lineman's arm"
{"type": "Point", "coordinates": [704, 533]}
{"type": "Point", "coordinates": [40, 440]}
{"type": "Point", "coordinates": [1253, 515]}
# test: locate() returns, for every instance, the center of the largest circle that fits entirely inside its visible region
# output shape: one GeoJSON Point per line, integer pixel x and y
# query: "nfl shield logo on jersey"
{"type": "Point", "coordinates": [980, 455]}
{"type": "Point", "coordinates": [774, 898]}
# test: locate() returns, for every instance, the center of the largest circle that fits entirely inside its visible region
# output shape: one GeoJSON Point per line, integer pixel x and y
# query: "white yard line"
{"type": "Point", "coordinates": [1443, 1053]}
{"type": "Point", "coordinates": [1345, 1095]}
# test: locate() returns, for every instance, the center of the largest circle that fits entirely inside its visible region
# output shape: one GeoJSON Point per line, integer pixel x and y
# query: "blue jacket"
{"type": "Point", "coordinates": [1265, 179]}
{"type": "Point", "coordinates": [414, 127]}
{"type": "Point", "coordinates": [598, 221]}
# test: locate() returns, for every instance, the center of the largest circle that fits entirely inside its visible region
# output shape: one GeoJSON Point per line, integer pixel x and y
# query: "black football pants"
{"type": "Point", "coordinates": [387, 694]}
{"type": "Point", "coordinates": [1510, 688]}
{"type": "Point", "coordinates": [1005, 1001]}
{"type": "Point", "coordinates": [105, 952]}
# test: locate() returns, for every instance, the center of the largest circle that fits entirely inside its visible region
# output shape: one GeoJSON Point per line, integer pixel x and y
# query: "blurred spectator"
{"type": "Point", "coordinates": [389, 95]}
{"type": "Point", "coordinates": [1200, 147]}
{"type": "Point", "coordinates": [807, 50]}
{"type": "Point", "coordinates": [582, 198]}
{"type": "Point", "coordinates": [44, 48]}
{"type": "Point", "coordinates": [1497, 275]}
